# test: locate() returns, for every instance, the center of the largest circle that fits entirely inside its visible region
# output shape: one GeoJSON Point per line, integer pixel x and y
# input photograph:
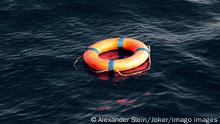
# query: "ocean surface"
{"type": "Point", "coordinates": [41, 39]}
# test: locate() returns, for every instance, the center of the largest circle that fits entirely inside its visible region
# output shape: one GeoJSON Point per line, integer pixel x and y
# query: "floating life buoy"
{"type": "Point", "coordinates": [92, 58]}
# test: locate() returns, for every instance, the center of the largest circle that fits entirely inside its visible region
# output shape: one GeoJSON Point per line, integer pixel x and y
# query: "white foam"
{"type": "Point", "coordinates": [202, 1]}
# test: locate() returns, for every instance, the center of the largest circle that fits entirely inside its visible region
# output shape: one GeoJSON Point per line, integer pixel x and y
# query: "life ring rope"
{"type": "Point", "coordinates": [75, 62]}
{"type": "Point", "coordinates": [126, 75]}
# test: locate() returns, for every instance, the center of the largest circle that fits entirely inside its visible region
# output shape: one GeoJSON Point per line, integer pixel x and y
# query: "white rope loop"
{"type": "Point", "coordinates": [75, 62]}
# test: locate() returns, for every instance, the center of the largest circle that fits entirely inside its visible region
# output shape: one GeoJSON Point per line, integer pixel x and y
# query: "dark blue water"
{"type": "Point", "coordinates": [40, 39]}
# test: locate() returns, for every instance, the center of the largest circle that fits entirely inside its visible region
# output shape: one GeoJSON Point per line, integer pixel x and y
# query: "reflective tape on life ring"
{"type": "Point", "coordinates": [120, 42]}
{"type": "Point", "coordinates": [93, 49]}
{"type": "Point", "coordinates": [111, 65]}
{"type": "Point", "coordinates": [144, 49]}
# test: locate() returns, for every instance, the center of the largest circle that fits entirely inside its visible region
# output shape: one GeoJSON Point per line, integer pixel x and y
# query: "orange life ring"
{"type": "Point", "coordinates": [141, 54]}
